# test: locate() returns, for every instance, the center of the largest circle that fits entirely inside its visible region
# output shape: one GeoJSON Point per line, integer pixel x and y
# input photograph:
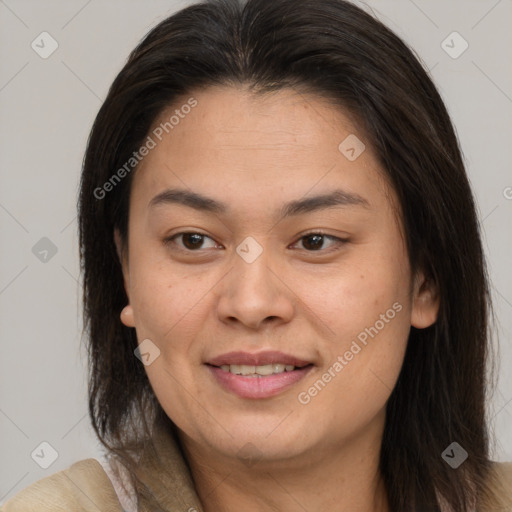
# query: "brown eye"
{"type": "Point", "coordinates": [313, 242]}
{"type": "Point", "coordinates": [316, 242]}
{"type": "Point", "coordinates": [191, 241]}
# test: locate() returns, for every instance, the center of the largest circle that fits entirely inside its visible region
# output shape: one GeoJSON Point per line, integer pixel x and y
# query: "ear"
{"type": "Point", "coordinates": [123, 258]}
{"type": "Point", "coordinates": [119, 247]}
{"type": "Point", "coordinates": [127, 313]}
{"type": "Point", "coordinates": [425, 302]}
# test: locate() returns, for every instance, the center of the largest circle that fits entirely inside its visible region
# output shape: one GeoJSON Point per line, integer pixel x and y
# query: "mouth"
{"type": "Point", "coordinates": [258, 376]}
{"type": "Point", "coordinates": [257, 371]}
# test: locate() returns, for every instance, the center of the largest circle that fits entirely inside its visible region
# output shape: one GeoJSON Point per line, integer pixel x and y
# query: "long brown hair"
{"type": "Point", "coordinates": [334, 49]}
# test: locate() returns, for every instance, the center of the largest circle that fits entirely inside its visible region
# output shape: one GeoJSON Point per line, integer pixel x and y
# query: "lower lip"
{"type": "Point", "coordinates": [258, 387]}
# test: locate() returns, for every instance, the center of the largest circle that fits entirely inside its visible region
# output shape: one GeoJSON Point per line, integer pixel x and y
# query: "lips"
{"type": "Point", "coordinates": [257, 376]}
{"type": "Point", "coordinates": [258, 359]}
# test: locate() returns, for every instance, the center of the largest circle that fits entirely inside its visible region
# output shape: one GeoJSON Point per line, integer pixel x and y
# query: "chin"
{"type": "Point", "coordinates": [258, 441]}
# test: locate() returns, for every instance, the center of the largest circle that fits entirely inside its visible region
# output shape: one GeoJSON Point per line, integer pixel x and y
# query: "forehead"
{"type": "Point", "coordinates": [246, 145]}
{"type": "Point", "coordinates": [236, 119]}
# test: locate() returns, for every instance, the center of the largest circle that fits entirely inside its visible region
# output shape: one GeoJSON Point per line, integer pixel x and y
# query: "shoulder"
{"type": "Point", "coordinates": [503, 474]}
{"type": "Point", "coordinates": [83, 487]}
{"type": "Point", "coordinates": [500, 482]}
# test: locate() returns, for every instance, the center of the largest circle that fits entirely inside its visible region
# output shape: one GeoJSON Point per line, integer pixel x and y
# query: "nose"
{"type": "Point", "coordinates": [255, 294]}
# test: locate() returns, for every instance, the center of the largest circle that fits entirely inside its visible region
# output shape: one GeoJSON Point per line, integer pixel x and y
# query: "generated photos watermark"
{"type": "Point", "coordinates": [151, 142]}
{"type": "Point", "coordinates": [305, 397]}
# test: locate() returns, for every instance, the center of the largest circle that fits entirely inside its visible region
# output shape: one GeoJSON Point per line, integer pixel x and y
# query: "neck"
{"type": "Point", "coordinates": [327, 477]}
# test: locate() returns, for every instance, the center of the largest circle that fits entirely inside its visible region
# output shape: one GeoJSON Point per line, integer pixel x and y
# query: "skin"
{"type": "Point", "coordinates": [255, 154]}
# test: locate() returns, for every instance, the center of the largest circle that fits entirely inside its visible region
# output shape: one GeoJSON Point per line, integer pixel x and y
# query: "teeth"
{"type": "Point", "coordinates": [268, 369]}
{"type": "Point", "coordinates": [264, 370]}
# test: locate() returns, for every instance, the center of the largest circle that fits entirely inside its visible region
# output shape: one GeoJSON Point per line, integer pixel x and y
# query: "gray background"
{"type": "Point", "coordinates": [47, 108]}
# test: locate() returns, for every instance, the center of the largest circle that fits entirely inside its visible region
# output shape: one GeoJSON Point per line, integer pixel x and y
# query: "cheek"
{"type": "Point", "coordinates": [367, 310]}
{"type": "Point", "coordinates": [353, 296]}
{"type": "Point", "coordinates": [368, 321]}
{"type": "Point", "coordinates": [160, 301]}
{"type": "Point", "coordinates": [359, 374]}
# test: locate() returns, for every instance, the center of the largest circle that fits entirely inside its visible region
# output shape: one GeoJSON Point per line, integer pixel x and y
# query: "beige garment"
{"type": "Point", "coordinates": [501, 478]}
{"type": "Point", "coordinates": [165, 485]}
{"type": "Point", "coordinates": [85, 487]}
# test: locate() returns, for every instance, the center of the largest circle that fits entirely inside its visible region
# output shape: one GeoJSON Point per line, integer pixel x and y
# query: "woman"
{"type": "Point", "coordinates": [284, 286]}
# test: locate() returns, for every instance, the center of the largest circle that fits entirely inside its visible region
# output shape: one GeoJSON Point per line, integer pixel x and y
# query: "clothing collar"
{"type": "Point", "coordinates": [165, 480]}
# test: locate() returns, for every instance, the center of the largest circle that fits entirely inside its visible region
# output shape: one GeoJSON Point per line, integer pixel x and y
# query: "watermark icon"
{"type": "Point", "coordinates": [44, 45]}
{"type": "Point", "coordinates": [250, 454]}
{"type": "Point", "coordinates": [151, 142]}
{"type": "Point", "coordinates": [507, 192]}
{"type": "Point", "coordinates": [44, 455]}
{"type": "Point", "coordinates": [249, 249]}
{"type": "Point", "coordinates": [454, 45]}
{"type": "Point", "coordinates": [351, 147]}
{"type": "Point", "coordinates": [44, 250]}
{"type": "Point", "coordinates": [304, 397]}
{"type": "Point", "coordinates": [454, 455]}
{"type": "Point", "coordinates": [147, 352]}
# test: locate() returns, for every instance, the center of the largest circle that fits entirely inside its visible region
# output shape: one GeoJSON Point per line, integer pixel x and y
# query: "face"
{"type": "Point", "coordinates": [267, 275]}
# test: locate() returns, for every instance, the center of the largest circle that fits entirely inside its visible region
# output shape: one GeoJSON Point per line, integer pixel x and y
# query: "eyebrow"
{"type": "Point", "coordinates": [199, 202]}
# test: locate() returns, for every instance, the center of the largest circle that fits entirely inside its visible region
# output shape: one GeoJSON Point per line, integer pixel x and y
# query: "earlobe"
{"type": "Point", "coordinates": [127, 316]}
{"type": "Point", "coordinates": [425, 302]}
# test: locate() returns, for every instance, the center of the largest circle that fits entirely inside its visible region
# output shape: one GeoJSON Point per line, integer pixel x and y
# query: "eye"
{"type": "Point", "coordinates": [316, 241]}
{"type": "Point", "coordinates": [311, 242]}
{"type": "Point", "coordinates": [191, 241]}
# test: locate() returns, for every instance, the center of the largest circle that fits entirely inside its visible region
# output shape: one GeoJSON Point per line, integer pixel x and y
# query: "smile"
{"type": "Point", "coordinates": [257, 376]}
{"type": "Point", "coordinates": [257, 371]}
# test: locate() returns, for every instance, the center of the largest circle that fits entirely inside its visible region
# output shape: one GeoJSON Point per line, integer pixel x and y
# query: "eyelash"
{"type": "Point", "coordinates": [338, 241]}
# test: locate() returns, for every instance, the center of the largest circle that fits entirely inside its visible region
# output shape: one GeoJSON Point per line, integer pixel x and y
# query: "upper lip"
{"type": "Point", "coordinates": [258, 359]}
